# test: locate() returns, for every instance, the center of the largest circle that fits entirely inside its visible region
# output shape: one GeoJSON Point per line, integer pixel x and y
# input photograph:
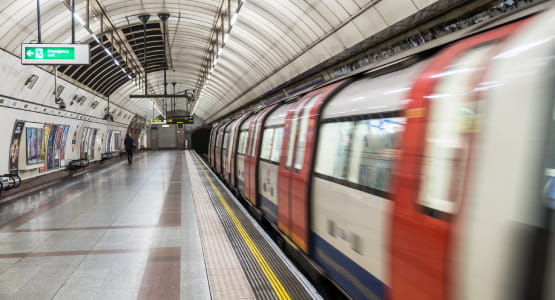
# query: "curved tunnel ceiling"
{"type": "Point", "coordinates": [269, 42]}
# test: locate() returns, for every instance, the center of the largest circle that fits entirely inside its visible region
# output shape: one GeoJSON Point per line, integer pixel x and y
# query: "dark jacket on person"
{"type": "Point", "coordinates": [129, 143]}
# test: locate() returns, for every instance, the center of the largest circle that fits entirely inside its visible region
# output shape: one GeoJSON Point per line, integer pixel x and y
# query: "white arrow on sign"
{"type": "Point", "coordinates": [30, 53]}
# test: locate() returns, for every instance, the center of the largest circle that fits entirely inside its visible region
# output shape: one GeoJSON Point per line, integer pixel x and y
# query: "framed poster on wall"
{"type": "Point", "coordinates": [14, 147]}
{"type": "Point", "coordinates": [63, 147]}
{"type": "Point", "coordinates": [46, 134]}
{"type": "Point", "coordinates": [50, 148]}
{"type": "Point", "coordinates": [34, 138]}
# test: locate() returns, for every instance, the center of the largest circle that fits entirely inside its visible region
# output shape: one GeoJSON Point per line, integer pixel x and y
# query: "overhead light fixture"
{"type": "Point", "coordinates": [234, 18]}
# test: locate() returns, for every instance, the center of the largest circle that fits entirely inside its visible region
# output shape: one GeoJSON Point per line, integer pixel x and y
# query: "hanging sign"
{"type": "Point", "coordinates": [55, 54]}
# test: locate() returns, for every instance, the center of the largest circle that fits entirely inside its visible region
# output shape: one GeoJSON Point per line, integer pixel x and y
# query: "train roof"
{"type": "Point", "coordinates": [373, 94]}
{"type": "Point", "coordinates": [277, 117]}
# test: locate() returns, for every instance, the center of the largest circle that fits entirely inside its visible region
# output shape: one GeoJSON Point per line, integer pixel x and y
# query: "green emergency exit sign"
{"type": "Point", "coordinates": [49, 53]}
{"type": "Point", "coordinates": [55, 54]}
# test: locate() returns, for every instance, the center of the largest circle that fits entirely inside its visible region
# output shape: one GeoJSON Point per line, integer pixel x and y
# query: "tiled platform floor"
{"type": "Point", "coordinates": [124, 232]}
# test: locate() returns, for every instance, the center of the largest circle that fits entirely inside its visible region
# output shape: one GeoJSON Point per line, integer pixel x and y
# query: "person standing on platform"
{"type": "Point", "coordinates": [129, 145]}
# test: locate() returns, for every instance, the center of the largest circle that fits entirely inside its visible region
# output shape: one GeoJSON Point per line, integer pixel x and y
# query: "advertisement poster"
{"type": "Point", "coordinates": [63, 147]}
{"type": "Point", "coordinates": [34, 145]}
{"type": "Point", "coordinates": [14, 146]}
{"type": "Point", "coordinates": [58, 146]}
{"type": "Point", "coordinates": [50, 149]}
{"type": "Point", "coordinates": [74, 141]}
{"type": "Point", "coordinates": [46, 135]}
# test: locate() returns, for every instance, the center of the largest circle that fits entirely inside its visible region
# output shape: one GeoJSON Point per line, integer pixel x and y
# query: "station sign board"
{"type": "Point", "coordinates": [182, 120]}
{"type": "Point", "coordinates": [55, 54]}
{"type": "Point", "coordinates": [158, 122]}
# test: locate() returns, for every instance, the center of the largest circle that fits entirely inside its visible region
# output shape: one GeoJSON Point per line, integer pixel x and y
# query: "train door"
{"type": "Point", "coordinates": [242, 151]}
{"type": "Point", "coordinates": [219, 150]}
{"type": "Point", "coordinates": [210, 146]}
{"type": "Point", "coordinates": [226, 150]}
{"type": "Point", "coordinates": [253, 152]}
{"type": "Point", "coordinates": [213, 136]}
{"type": "Point", "coordinates": [296, 164]}
{"type": "Point", "coordinates": [433, 172]}
{"type": "Point", "coordinates": [234, 150]}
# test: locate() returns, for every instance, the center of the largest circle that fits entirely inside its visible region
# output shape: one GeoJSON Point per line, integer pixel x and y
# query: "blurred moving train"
{"type": "Point", "coordinates": [433, 180]}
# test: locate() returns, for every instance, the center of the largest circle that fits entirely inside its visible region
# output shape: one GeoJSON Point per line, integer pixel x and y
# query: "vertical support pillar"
{"type": "Point", "coordinates": [144, 19]}
{"type": "Point", "coordinates": [73, 21]}
{"type": "Point", "coordinates": [38, 22]}
{"type": "Point", "coordinates": [174, 98]}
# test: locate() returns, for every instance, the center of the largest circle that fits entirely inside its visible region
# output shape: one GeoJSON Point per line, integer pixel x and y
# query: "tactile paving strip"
{"type": "Point", "coordinates": [282, 282]}
{"type": "Point", "coordinates": [225, 274]}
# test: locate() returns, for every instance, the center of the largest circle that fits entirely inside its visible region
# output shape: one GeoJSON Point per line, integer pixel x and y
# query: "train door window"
{"type": "Point", "coordinates": [334, 149]}
{"type": "Point", "coordinates": [224, 146]}
{"type": "Point", "coordinates": [254, 139]}
{"type": "Point", "coordinates": [303, 131]}
{"type": "Point", "coordinates": [267, 139]}
{"type": "Point", "coordinates": [452, 119]}
{"type": "Point", "coordinates": [375, 147]}
{"type": "Point", "coordinates": [292, 137]}
{"type": "Point", "coordinates": [276, 145]}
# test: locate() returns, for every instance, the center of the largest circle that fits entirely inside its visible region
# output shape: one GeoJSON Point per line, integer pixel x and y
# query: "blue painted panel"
{"type": "Point", "coordinates": [356, 281]}
{"type": "Point", "coordinates": [268, 207]}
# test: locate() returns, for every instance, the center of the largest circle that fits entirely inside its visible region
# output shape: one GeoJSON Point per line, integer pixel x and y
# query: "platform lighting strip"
{"type": "Point", "coordinates": [116, 62]}
{"type": "Point", "coordinates": [80, 20]}
{"type": "Point", "coordinates": [217, 54]}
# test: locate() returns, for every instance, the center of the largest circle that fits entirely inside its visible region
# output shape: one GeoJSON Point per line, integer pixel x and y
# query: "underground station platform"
{"type": "Point", "coordinates": [163, 227]}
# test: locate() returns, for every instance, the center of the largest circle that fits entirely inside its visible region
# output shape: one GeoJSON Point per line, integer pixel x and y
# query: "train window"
{"type": "Point", "coordinates": [375, 147]}
{"type": "Point", "coordinates": [452, 119]}
{"type": "Point", "coordinates": [334, 149]}
{"type": "Point", "coordinates": [243, 136]}
{"type": "Point", "coordinates": [276, 145]}
{"type": "Point", "coordinates": [219, 140]}
{"type": "Point", "coordinates": [267, 139]}
{"type": "Point", "coordinates": [303, 131]}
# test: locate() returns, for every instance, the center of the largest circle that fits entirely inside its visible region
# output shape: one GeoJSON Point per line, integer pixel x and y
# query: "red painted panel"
{"type": "Point", "coordinates": [283, 199]}
{"type": "Point", "coordinates": [249, 161]}
{"type": "Point", "coordinates": [255, 138]}
{"type": "Point", "coordinates": [294, 185]}
{"type": "Point", "coordinates": [420, 244]}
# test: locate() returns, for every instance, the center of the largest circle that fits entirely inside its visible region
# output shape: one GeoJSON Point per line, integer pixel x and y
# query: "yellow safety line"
{"type": "Point", "coordinates": [268, 272]}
